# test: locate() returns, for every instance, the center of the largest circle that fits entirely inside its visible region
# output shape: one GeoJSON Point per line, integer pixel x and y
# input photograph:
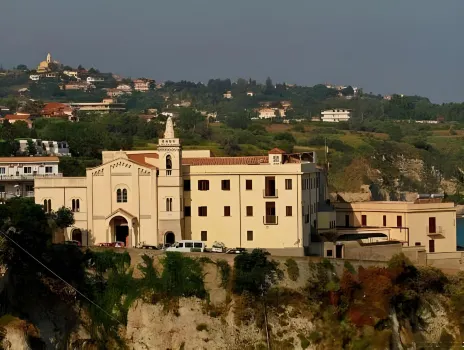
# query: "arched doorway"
{"type": "Point", "coordinates": [120, 229]}
{"type": "Point", "coordinates": [169, 238]}
{"type": "Point", "coordinates": [76, 235]}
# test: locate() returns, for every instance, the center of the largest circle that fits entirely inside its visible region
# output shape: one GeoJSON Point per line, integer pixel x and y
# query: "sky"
{"type": "Point", "coordinates": [395, 46]}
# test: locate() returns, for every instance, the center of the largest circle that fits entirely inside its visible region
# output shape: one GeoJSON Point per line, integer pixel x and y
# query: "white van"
{"type": "Point", "coordinates": [187, 246]}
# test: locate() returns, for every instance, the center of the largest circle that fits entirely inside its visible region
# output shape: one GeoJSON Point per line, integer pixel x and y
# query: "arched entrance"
{"type": "Point", "coordinates": [120, 229]}
{"type": "Point", "coordinates": [169, 238]}
{"type": "Point", "coordinates": [76, 235]}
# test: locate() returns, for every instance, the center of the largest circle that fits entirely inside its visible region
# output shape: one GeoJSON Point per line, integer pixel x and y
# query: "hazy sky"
{"type": "Point", "coordinates": [402, 46]}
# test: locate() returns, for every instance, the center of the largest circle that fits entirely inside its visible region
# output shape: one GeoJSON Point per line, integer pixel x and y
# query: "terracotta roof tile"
{"type": "Point", "coordinates": [140, 158]}
{"type": "Point", "coordinates": [276, 151]}
{"type": "Point", "coordinates": [254, 160]}
{"type": "Point", "coordinates": [17, 116]}
{"type": "Point", "coordinates": [28, 159]}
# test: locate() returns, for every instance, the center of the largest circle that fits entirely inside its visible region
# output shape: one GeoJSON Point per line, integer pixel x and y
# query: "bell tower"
{"type": "Point", "coordinates": [170, 187]}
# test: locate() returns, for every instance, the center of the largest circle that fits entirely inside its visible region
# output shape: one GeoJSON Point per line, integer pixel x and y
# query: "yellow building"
{"type": "Point", "coordinates": [166, 195]}
{"type": "Point", "coordinates": [44, 66]}
{"type": "Point", "coordinates": [429, 224]}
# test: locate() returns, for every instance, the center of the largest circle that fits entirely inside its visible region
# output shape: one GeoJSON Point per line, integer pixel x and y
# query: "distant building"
{"type": "Point", "coordinates": [336, 115]}
{"type": "Point", "coordinates": [71, 73]}
{"type": "Point", "coordinates": [125, 88]}
{"type": "Point", "coordinates": [83, 86]}
{"type": "Point", "coordinates": [427, 121]}
{"type": "Point", "coordinates": [316, 119]}
{"type": "Point", "coordinates": [115, 92]}
{"type": "Point", "coordinates": [108, 105]}
{"type": "Point", "coordinates": [4, 110]}
{"type": "Point", "coordinates": [250, 93]}
{"type": "Point", "coordinates": [51, 75]}
{"type": "Point", "coordinates": [266, 113]}
{"type": "Point", "coordinates": [46, 66]}
{"type": "Point", "coordinates": [142, 85]}
{"type": "Point", "coordinates": [387, 97]}
{"type": "Point", "coordinates": [46, 148]}
{"type": "Point", "coordinates": [58, 110]}
{"type": "Point", "coordinates": [13, 118]}
{"type": "Point", "coordinates": [227, 94]}
{"type": "Point", "coordinates": [34, 77]}
{"type": "Point", "coordinates": [95, 79]}
{"type": "Point", "coordinates": [17, 174]}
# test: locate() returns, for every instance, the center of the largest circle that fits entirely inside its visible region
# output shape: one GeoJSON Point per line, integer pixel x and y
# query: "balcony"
{"type": "Point", "coordinates": [28, 177]}
{"type": "Point", "coordinates": [270, 220]}
{"type": "Point", "coordinates": [270, 193]}
{"type": "Point", "coordinates": [9, 195]}
{"type": "Point", "coordinates": [437, 232]}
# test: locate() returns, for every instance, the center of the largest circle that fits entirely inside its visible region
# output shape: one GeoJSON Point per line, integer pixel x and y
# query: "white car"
{"type": "Point", "coordinates": [218, 247]}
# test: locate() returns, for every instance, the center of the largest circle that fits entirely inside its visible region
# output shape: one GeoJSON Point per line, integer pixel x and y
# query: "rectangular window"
{"type": "Point", "coordinates": [249, 184]}
{"type": "Point", "coordinates": [27, 170]}
{"type": "Point", "coordinates": [431, 246]}
{"type": "Point", "coordinates": [249, 235]}
{"type": "Point", "coordinates": [399, 221]}
{"type": "Point", "coordinates": [48, 170]}
{"type": "Point", "coordinates": [288, 210]}
{"type": "Point", "coordinates": [432, 225]}
{"type": "Point", "coordinates": [249, 211]}
{"type": "Point", "coordinates": [227, 211]}
{"type": "Point", "coordinates": [202, 211]}
{"type": "Point", "coordinates": [364, 220]}
{"type": "Point", "coordinates": [186, 185]}
{"type": "Point", "coordinates": [288, 184]}
{"type": "Point", "coordinates": [329, 252]}
{"type": "Point", "coordinates": [187, 211]}
{"type": "Point", "coordinates": [384, 220]}
{"type": "Point", "coordinates": [2, 188]}
{"type": "Point", "coordinates": [204, 236]}
{"type": "Point", "coordinates": [29, 188]}
{"type": "Point", "coordinates": [225, 185]}
{"type": "Point", "coordinates": [203, 185]}
{"type": "Point", "coordinates": [3, 171]}
{"type": "Point", "coordinates": [418, 243]}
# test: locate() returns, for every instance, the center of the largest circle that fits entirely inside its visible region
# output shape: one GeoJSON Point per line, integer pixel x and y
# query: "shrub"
{"type": "Point", "coordinates": [182, 276]}
{"type": "Point", "coordinates": [202, 327]}
{"type": "Point", "coordinates": [255, 273]}
{"type": "Point", "coordinates": [225, 270]}
{"type": "Point", "coordinates": [304, 342]}
{"type": "Point", "coordinates": [349, 267]}
{"type": "Point", "coordinates": [293, 270]}
{"type": "Point", "coordinates": [315, 337]}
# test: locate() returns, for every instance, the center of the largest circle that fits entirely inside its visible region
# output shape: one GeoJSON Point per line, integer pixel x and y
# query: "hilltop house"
{"type": "Point", "coordinates": [336, 115]}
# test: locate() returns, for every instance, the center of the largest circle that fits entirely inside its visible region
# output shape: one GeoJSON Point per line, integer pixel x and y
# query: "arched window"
{"type": "Point", "coordinates": [118, 196]}
{"type": "Point", "coordinates": [168, 204]}
{"type": "Point", "coordinates": [168, 162]}
{"type": "Point", "coordinates": [45, 206]}
{"type": "Point", "coordinates": [124, 196]}
{"type": "Point", "coordinates": [75, 205]}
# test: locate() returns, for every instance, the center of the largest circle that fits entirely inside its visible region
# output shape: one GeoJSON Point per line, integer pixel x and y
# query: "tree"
{"type": "Point", "coordinates": [254, 273]}
{"type": "Point", "coordinates": [241, 121]}
{"type": "Point", "coordinates": [34, 108]}
{"type": "Point", "coordinates": [22, 67]}
{"type": "Point", "coordinates": [31, 150]}
{"type": "Point", "coordinates": [269, 88]}
{"type": "Point", "coordinates": [63, 217]}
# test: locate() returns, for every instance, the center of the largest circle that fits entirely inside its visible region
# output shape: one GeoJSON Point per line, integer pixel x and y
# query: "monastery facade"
{"type": "Point", "coordinates": [170, 194]}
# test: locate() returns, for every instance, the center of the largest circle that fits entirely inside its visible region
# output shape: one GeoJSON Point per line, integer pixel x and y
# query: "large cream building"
{"type": "Point", "coordinates": [429, 224]}
{"type": "Point", "coordinates": [169, 194]}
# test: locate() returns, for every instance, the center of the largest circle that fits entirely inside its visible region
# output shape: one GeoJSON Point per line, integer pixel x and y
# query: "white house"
{"type": "Point", "coordinates": [71, 73]}
{"type": "Point", "coordinates": [44, 148]}
{"type": "Point", "coordinates": [94, 79]}
{"type": "Point", "coordinates": [336, 115]}
{"type": "Point", "coordinates": [34, 77]}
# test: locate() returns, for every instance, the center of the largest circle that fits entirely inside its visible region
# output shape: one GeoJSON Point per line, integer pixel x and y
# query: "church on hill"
{"type": "Point", "coordinates": [160, 197]}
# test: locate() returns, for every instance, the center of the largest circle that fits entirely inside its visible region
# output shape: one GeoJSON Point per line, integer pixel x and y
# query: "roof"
{"type": "Point", "coordinates": [17, 116]}
{"type": "Point", "coordinates": [253, 160]}
{"type": "Point", "coordinates": [28, 159]}
{"type": "Point", "coordinates": [140, 158]}
{"type": "Point", "coordinates": [276, 151]}
{"type": "Point", "coordinates": [56, 105]}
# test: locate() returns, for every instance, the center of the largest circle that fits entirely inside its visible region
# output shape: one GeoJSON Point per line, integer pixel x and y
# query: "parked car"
{"type": "Point", "coordinates": [72, 242]}
{"type": "Point", "coordinates": [112, 244]}
{"type": "Point", "coordinates": [235, 251]}
{"type": "Point", "coordinates": [218, 247]}
{"type": "Point", "coordinates": [187, 246]}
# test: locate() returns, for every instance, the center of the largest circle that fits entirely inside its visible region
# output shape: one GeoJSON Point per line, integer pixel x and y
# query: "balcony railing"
{"type": "Point", "coordinates": [437, 232]}
{"type": "Point", "coordinates": [270, 193]}
{"type": "Point", "coordinates": [8, 195]}
{"type": "Point", "coordinates": [28, 176]}
{"type": "Point", "coordinates": [270, 219]}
